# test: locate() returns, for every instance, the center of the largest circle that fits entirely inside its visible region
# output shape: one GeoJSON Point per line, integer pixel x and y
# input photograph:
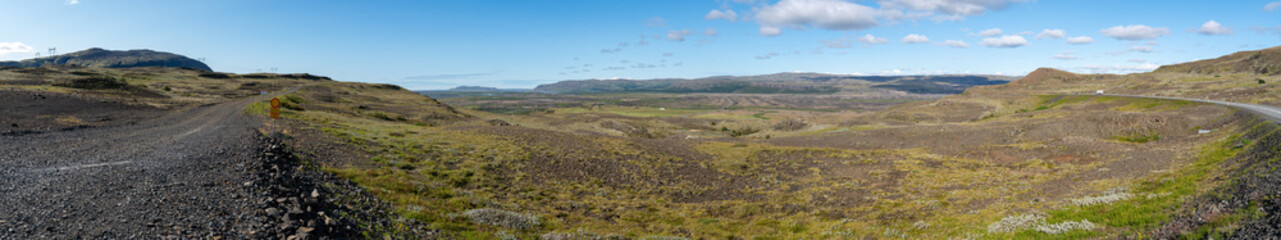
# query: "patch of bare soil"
{"type": "Point", "coordinates": [670, 166]}
{"type": "Point", "coordinates": [25, 112]}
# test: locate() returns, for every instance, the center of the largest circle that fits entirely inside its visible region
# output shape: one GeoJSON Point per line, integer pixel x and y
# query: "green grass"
{"type": "Point", "coordinates": [761, 115]}
{"type": "Point", "coordinates": [1156, 198]}
{"type": "Point", "coordinates": [636, 111]}
{"type": "Point", "coordinates": [1131, 104]}
{"type": "Point", "coordinates": [726, 116]}
{"type": "Point", "coordinates": [1137, 138]}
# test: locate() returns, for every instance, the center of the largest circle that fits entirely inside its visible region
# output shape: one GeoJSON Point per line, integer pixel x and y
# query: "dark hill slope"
{"type": "Point", "coordinates": [97, 57]}
{"type": "Point", "coordinates": [1264, 61]}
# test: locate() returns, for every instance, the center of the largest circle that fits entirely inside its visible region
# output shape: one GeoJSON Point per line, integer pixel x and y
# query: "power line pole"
{"type": "Point", "coordinates": [53, 51]}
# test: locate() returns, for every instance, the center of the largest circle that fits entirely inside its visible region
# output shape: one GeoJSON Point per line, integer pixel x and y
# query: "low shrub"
{"type": "Point", "coordinates": [502, 218]}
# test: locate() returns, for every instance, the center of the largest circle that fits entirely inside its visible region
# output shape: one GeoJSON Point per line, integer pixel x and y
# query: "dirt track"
{"type": "Point", "coordinates": [175, 175]}
{"type": "Point", "coordinates": [200, 173]}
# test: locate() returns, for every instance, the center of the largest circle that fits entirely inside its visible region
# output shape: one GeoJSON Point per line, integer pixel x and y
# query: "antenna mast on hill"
{"type": "Point", "coordinates": [273, 69]}
{"type": "Point", "coordinates": [200, 59]}
{"type": "Point", "coordinates": [53, 51]}
{"type": "Point", "coordinates": [37, 54]}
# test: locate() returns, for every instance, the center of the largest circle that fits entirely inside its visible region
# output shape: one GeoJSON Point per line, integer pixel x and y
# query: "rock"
{"type": "Point", "coordinates": [272, 211]}
{"type": "Point", "coordinates": [250, 183]}
{"type": "Point", "coordinates": [315, 194]}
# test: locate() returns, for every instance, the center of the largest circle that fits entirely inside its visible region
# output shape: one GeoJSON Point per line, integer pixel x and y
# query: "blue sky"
{"type": "Point", "coordinates": [442, 44]}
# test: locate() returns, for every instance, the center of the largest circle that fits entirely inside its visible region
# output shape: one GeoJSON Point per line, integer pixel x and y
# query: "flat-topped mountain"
{"type": "Point", "coordinates": [97, 57]}
{"type": "Point", "coordinates": [785, 83]}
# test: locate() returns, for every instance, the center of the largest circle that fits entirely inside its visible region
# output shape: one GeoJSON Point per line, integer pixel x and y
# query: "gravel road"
{"type": "Point", "coordinates": [174, 175]}
{"type": "Point", "coordinates": [1270, 112]}
{"type": "Point", "coordinates": [199, 173]}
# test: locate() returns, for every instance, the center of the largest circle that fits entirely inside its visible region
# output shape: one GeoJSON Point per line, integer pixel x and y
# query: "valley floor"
{"type": "Point", "coordinates": [1062, 166]}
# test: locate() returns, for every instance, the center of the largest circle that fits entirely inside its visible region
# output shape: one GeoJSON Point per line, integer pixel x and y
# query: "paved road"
{"type": "Point", "coordinates": [1271, 112]}
{"type": "Point", "coordinates": [183, 175]}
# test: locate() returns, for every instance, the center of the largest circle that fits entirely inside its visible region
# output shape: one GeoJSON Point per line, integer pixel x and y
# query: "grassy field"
{"type": "Point", "coordinates": [578, 172]}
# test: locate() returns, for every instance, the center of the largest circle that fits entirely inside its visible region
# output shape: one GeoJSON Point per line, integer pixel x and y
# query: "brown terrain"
{"type": "Point", "coordinates": [1037, 158]}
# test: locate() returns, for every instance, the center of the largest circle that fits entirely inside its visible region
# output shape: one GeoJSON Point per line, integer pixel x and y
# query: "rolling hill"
{"type": "Point", "coordinates": [1263, 62]}
{"type": "Point", "coordinates": [97, 57]}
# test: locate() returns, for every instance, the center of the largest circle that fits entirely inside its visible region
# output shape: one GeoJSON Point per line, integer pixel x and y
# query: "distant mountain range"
{"type": "Point", "coordinates": [782, 83]}
{"type": "Point", "coordinates": [97, 57]}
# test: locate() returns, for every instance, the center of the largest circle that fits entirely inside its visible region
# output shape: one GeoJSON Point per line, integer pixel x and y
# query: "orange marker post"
{"type": "Point", "coordinates": [275, 108]}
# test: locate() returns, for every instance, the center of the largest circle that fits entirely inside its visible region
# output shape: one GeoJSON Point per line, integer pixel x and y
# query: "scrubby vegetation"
{"type": "Point", "coordinates": [1015, 161]}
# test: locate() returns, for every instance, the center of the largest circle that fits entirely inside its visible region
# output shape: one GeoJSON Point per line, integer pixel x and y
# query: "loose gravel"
{"type": "Point", "coordinates": [204, 173]}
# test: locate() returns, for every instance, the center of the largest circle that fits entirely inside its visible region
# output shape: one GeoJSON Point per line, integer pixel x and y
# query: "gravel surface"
{"type": "Point", "coordinates": [202, 173]}
{"type": "Point", "coordinates": [173, 176]}
{"type": "Point", "coordinates": [31, 112]}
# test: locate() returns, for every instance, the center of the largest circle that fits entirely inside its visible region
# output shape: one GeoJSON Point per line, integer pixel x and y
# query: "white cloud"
{"type": "Point", "coordinates": [1051, 33]}
{"type": "Point", "coordinates": [1265, 30]}
{"type": "Point", "coordinates": [73, 2]}
{"type": "Point", "coordinates": [1135, 32]}
{"type": "Point", "coordinates": [728, 15]}
{"type": "Point", "coordinates": [726, 3]}
{"type": "Point", "coordinates": [678, 36]}
{"type": "Point", "coordinates": [942, 9]}
{"type": "Point", "coordinates": [1119, 68]}
{"type": "Point", "coordinates": [1143, 49]}
{"type": "Point", "coordinates": [825, 14]}
{"type": "Point", "coordinates": [766, 56]}
{"type": "Point", "coordinates": [15, 47]}
{"type": "Point", "coordinates": [656, 22]}
{"type": "Point", "coordinates": [771, 31]}
{"type": "Point", "coordinates": [915, 38]}
{"type": "Point", "coordinates": [869, 40]}
{"type": "Point", "coordinates": [1068, 55]}
{"type": "Point", "coordinates": [667, 54]}
{"type": "Point", "coordinates": [1214, 28]}
{"type": "Point", "coordinates": [711, 32]}
{"type": "Point", "coordinates": [1137, 60]}
{"type": "Point", "coordinates": [1272, 6]}
{"type": "Point", "coordinates": [1007, 41]}
{"type": "Point", "coordinates": [1080, 40]}
{"type": "Point", "coordinates": [955, 44]}
{"type": "Point", "coordinates": [838, 43]}
{"type": "Point", "coordinates": [990, 32]}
